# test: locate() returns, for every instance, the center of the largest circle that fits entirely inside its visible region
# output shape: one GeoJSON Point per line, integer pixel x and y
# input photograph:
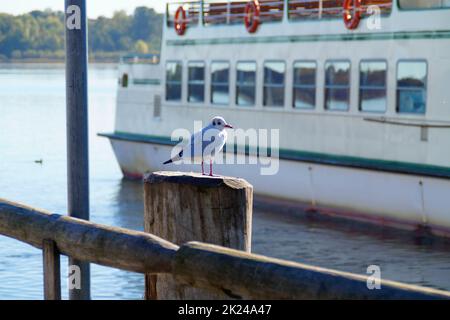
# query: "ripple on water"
{"type": "Point", "coordinates": [34, 128]}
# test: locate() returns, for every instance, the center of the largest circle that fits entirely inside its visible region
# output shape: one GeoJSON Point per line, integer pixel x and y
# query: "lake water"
{"type": "Point", "coordinates": [32, 127]}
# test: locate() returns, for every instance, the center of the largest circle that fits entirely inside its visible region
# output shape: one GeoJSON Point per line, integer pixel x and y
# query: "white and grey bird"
{"type": "Point", "coordinates": [205, 144]}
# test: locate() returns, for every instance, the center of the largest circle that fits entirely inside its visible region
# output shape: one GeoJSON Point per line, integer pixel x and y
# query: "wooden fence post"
{"type": "Point", "coordinates": [183, 207]}
{"type": "Point", "coordinates": [52, 271]}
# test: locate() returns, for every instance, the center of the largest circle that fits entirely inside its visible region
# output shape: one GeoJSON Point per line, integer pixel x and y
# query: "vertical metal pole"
{"type": "Point", "coordinates": [77, 132]}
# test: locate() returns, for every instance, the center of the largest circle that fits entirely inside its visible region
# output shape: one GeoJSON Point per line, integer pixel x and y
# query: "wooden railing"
{"type": "Point", "coordinates": [222, 271]}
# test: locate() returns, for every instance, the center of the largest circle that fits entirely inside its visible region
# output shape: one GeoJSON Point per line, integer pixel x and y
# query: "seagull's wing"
{"type": "Point", "coordinates": [220, 142]}
{"type": "Point", "coordinates": [209, 145]}
{"type": "Point", "coordinates": [216, 144]}
{"type": "Point", "coordinates": [205, 143]}
{"type": "Point", "coordinates": [194, 149]}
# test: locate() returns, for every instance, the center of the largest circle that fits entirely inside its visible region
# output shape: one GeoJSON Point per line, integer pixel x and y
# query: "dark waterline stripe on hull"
{"type": "Point", "coordinates": [415, 35]}
{"type": "Point", "coordinates": [312, 157]}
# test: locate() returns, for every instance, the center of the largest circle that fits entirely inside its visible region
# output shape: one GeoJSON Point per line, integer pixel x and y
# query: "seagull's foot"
{"type": "Point", "coordinates": [211, 169]}
{"type": "Point", "coordinates": [203, 169]}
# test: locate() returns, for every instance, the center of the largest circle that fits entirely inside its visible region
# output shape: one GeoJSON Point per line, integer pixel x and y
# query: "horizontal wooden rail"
{"type": "Point", "coordinates": [234, 273]}
{"type": "Point", "coordinates": [248, 276]}
{"type": "Point", "coordinates": [108, 246]}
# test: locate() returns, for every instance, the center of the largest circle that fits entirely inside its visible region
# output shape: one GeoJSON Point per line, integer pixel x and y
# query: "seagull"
{"type": "Point", "coordinates": [205, 144]}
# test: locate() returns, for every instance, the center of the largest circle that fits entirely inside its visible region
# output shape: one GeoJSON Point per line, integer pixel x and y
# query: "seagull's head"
{"type": "Point", "coordinates": [220, 124]}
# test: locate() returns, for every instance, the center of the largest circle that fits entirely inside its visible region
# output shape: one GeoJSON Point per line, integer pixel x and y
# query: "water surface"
{"type": "Point", "coordinates": [32, 127]}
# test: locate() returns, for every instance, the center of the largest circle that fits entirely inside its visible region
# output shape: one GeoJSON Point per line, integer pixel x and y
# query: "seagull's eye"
{"type": "Point", "coordinates": [220, 123]}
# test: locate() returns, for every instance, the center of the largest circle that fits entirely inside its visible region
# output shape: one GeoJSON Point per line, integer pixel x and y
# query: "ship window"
{"type": "Point", "coordinates": [337, 85]}
{"type": "Point", "coordinates": [330, 9]}
{"type": "Point", "coordinates": [412, 87]}
{"type": "Point", "coordinates": [174, 72]}
{"type": "Point", "coordinates": [424, 4]}
{"type": "Point", "coordinates": [246, 83]}
{"type": "Point", "coordinates": [372, 86]}
{"type": "Point", "coordinates": [220, 83]}
{"type": "Point", "coordinates": [196, 82]}
{"type": "Point", "coordinates": [274, 75]}
{"type": "Point", "coordinates": [304, 85]}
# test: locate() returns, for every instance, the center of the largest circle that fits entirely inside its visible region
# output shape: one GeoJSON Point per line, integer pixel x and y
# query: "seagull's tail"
{"type": "Point", "coordinates": [179, 157]}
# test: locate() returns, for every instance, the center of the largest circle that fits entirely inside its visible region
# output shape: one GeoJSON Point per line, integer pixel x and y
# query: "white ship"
{"type": "Point", "coordinates": [359, 89]}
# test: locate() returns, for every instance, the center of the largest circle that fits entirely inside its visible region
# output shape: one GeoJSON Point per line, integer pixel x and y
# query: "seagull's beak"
{"type": "Point", "coordinates": [229, 126]}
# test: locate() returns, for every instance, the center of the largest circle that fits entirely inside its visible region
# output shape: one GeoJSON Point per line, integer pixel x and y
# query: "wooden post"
{"type": "Point", "coordinates": [182, 207]}
{"type": "Point", "coordinates": [52, 271]}
{"type": "Point", "coordinates": [77, 127]}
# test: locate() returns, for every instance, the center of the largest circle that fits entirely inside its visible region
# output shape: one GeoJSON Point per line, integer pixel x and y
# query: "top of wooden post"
{"type": "Point", "coordinates": [196, 179]}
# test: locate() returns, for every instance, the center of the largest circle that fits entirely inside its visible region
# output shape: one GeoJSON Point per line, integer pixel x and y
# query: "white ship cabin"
{"type": "Point", "coordinates": [366, 79]}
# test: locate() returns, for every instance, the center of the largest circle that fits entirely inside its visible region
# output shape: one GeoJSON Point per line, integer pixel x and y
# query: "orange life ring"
{"type": "Point", "coordinates": [352, 13]}
{"type": "Point", "coordinates": [251, 18]}
{"type": "Point", "coordinates": [180, 21]}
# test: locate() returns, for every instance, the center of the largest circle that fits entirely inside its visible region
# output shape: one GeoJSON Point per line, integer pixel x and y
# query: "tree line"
{"type": "Point", "coordinates": [39, 35]}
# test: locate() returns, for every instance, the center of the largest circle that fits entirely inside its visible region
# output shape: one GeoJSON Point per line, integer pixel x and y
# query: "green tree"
{"type": "Point", "coordinates": [141, 47]}
{"type": "Point", "coordinates": [40, 34]}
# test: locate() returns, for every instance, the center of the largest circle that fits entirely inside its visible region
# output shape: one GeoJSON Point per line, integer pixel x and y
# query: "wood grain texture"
{"type": "Point", "coordinates": [52, 271]}
{"type": "Point", "coordinates": [247, 276]}
{"type": "Point", "coordinates": [86, 241]}
{"type": "Point", "coordinates": [183, 207]}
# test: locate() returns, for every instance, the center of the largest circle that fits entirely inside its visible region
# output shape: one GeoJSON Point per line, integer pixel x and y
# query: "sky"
{"type": "Point", "coordinates": [95, 8]}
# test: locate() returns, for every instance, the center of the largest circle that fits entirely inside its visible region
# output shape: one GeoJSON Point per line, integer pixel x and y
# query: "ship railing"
{"type": "Point", "coordinates": [212, 268]}
{"type": "Point", "coordinates": [192, 8]}
{"type": "Point", "coordinates": [219, 12]}
{"type": "Point", "coordinates": [304, 9]}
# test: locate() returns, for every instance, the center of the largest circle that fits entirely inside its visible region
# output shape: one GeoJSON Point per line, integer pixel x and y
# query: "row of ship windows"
{"type": "Point", "coordinates": [411, 84]}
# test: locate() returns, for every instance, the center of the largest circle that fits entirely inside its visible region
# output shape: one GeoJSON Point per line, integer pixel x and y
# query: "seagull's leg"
{"type": "Point", "coordinates": [203, 168]}
{"type": "Point", "coordinates": [210, 169]}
